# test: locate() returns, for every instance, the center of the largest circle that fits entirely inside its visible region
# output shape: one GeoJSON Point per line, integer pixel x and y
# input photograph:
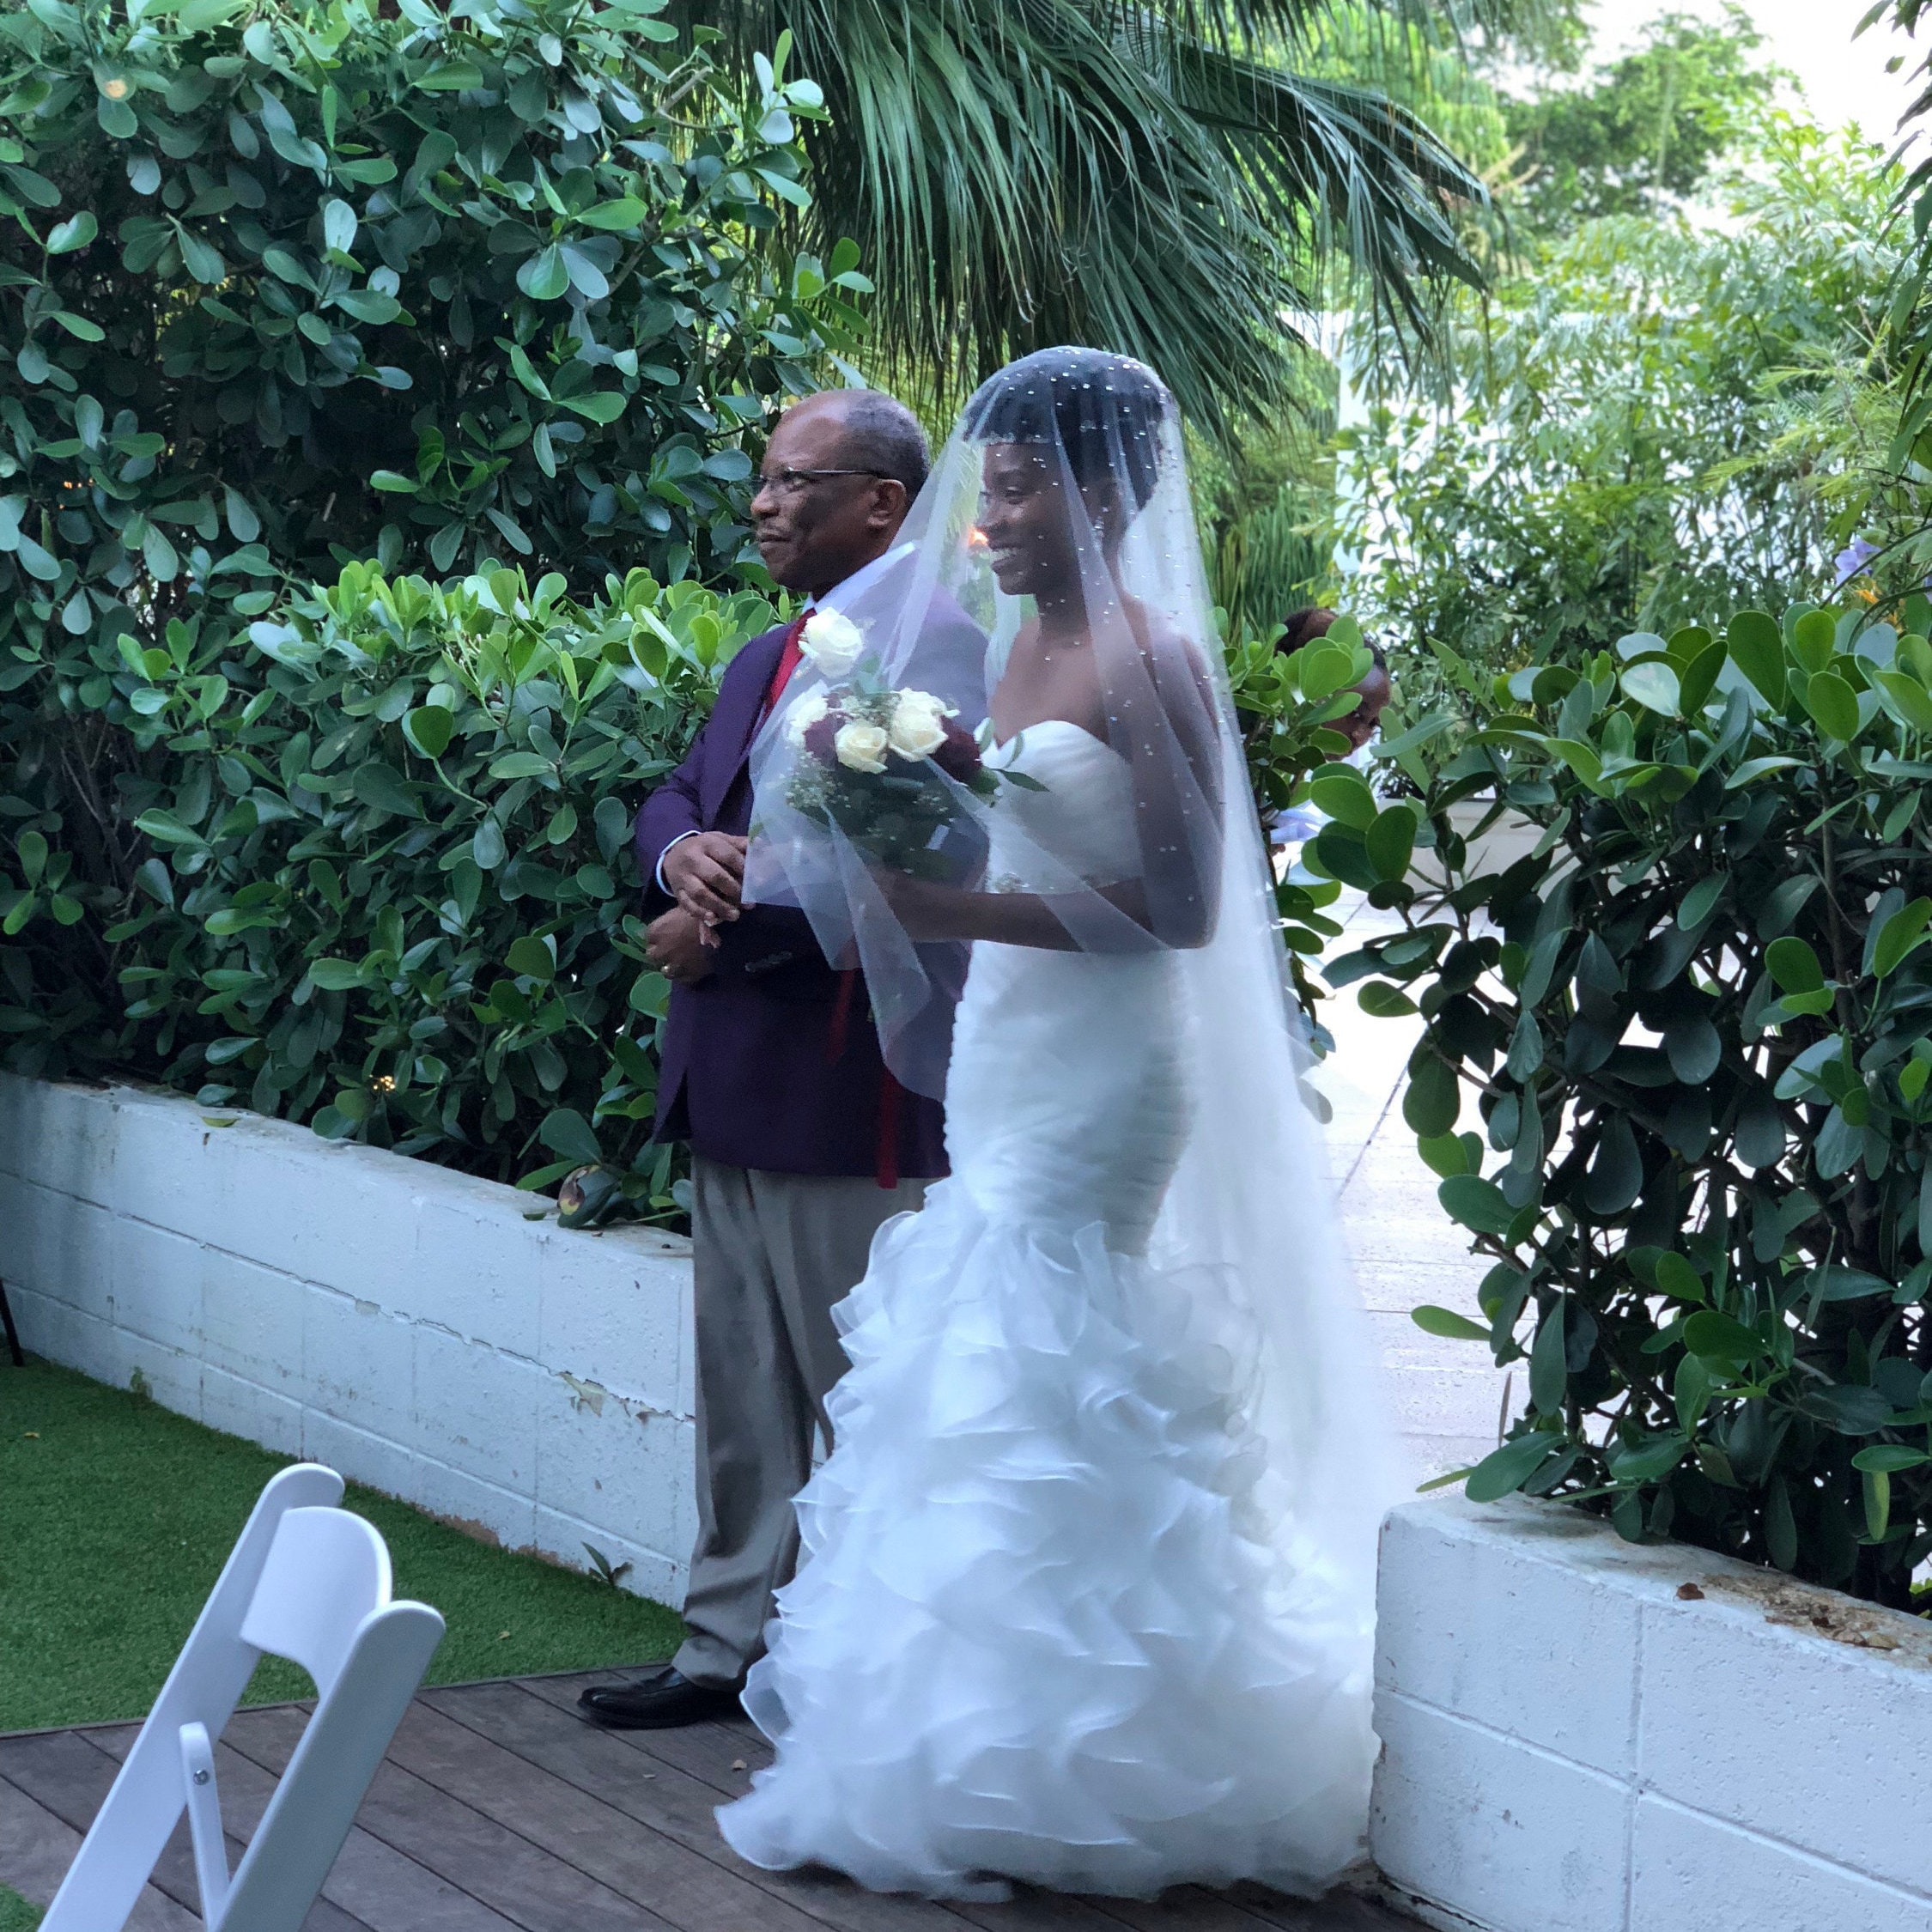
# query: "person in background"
{"type": "Point", "coordinates": [1302, 628]}
{"type": "Point", "coordinates": [1292, 828]}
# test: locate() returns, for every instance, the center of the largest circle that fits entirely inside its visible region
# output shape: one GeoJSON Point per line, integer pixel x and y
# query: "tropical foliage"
{"type": "Point", "coordinates": [1166, 180]}
{"type": "Point", "coordinates": [373, 870]}
{"type": "Point", "coordinates": [302, 848]}
{"type": "Point", "coordinates": [1646, 130]}
{"type": "Point", "coordinates": [1651, 427]}
{"type": "Point", "coordinates": [1284, 705]}
{"type": "Point", "coordinates": [1887, 427]}
{"type": "Point", "coordinates": [1696, 1022]}
{"type": "Point", "coordinates": [498, 261]}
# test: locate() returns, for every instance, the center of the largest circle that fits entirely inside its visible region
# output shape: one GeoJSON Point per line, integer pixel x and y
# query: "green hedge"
{"type": "Point", "coordinates": [1697, 1024]}
{"type": "Point", "coordinates": [302, 291]}
{"type": "Point", "coordinates": [288, 285]}
{"type": "Point", "coordinates": [512, 263]}
{"type": "Point", "coordinates": [388, 886]}
{"type": "Point", "coordinates": [370, 868]}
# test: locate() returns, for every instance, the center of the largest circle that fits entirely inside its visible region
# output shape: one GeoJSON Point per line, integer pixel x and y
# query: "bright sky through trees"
{"type": "Point", "coordinates": [1843, 80]}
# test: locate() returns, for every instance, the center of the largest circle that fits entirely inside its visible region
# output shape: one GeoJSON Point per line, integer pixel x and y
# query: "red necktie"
{"type": "Point", "coordinates": [788, 660]}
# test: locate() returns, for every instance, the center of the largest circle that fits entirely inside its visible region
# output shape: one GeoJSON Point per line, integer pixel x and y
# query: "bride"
{"type": "Point", "coordinates": [1087, 1591]}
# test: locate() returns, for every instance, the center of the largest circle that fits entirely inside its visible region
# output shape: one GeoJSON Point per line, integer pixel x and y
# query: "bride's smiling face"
{"type": "Point", "coordinates": [1028, 522]}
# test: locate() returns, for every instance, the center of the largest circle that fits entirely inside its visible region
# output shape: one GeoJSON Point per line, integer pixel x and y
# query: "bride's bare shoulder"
{"type": "Point", "coordinates": [1158, 637]}
{"type": "Point", "coordinates": [1172, 655]}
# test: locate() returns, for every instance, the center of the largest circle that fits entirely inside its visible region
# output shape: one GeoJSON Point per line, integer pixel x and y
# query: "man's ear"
{"type": "Point", "coordinates": [889, 506]}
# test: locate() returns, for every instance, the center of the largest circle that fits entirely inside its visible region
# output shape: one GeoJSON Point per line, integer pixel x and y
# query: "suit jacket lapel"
{"type": "Point", "coordinates": [734, 718]}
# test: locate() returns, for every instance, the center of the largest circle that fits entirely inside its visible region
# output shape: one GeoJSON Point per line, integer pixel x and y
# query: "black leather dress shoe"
{"type": "Point", "coordinates": [659, 1701]}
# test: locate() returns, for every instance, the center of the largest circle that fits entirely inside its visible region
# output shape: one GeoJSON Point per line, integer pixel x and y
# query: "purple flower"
{"type": "Point", "coordinates": [1852, 560]}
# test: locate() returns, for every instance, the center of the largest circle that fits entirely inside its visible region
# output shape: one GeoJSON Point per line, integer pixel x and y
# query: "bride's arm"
{"type": "Point", "coordinates": [1165, 723]}
{"type": "Point", "coordinates": [930, 912]}
{"type": "Point", "coordinates": [1168, 725]}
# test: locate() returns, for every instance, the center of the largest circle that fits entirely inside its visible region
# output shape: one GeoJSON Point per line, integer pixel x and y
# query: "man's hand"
{"type": "Point", "coordinates": [674, 944]}
{"type": "Point", "coordinates": [706, 875]}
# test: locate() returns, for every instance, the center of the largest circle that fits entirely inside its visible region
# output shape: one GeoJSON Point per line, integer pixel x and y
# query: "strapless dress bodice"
{"type": "Point", "coordinates": [1067, 1105]}
{"type": "Point", "coordinates": [1081, 817]}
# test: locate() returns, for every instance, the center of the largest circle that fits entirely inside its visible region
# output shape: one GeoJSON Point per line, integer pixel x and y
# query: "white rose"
{"type": "Point", "coordinates": [919, 724]}
{"type": "Point", "coordinates": [833, 642]}
{"type": "Point", "coordinates": [803, 716]}
{"type": "Point", "coordinates": [860, 746]}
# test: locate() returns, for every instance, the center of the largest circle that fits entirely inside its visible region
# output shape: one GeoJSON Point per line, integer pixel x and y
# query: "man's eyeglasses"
{"type": "Point", "coordinates": [792, 483]}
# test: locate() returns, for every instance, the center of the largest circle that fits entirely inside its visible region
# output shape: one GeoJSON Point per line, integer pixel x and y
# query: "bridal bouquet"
{"type": "Point", "coordinates": [876, 759]}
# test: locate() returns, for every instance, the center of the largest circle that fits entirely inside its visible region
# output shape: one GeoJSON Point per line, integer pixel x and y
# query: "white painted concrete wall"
{"type": "Point", "coordinates": [1571, 1744]}
{"type": "Point", "coordinates": [401, 1323]}
{"type": "Point", "coordinates": [411, 1327]}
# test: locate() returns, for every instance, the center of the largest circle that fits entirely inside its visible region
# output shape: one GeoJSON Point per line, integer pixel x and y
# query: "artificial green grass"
{"type": "Point", "coordinates": [116, 1516]}
{"type": "Point", "coordinates": [15, 1914]}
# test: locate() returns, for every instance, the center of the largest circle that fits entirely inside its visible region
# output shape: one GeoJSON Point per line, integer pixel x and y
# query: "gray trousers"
{"type": "Point", "coordinates": [773, 1253]}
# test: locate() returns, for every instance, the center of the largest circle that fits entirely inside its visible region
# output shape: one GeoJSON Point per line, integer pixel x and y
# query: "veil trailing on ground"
{"type": "Point", "coordinates": [1059, 518]}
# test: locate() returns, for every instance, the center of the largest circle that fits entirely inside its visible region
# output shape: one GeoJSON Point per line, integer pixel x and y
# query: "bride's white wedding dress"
{"type": "Point", "coordinates": [1045, 1627]}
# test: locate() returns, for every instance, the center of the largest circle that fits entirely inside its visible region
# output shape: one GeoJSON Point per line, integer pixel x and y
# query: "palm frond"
{"type": "Point", "coordinates": [1025, 172]}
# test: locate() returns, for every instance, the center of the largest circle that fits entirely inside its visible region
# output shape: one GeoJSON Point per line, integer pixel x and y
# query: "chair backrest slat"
{"type": "Point", "coordinates": [327, 1570]}
{"type": "Point", "coordinates": [131, 1828]}
{"type": "Point", "coordinates": [308, 1582]}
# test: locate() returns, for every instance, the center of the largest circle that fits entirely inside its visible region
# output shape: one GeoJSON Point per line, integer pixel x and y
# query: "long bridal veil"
{"type": "Point", "coordinates": [1249, 1217]}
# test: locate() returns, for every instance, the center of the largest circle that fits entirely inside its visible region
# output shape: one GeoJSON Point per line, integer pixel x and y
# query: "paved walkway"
{"type": "Point", "coordinates": [1447, 1395]}
{"type": "Point", "coordinates": [499, 1810]}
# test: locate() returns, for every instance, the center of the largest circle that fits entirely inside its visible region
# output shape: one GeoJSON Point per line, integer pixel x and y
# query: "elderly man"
{"type": "Point", "coordinates": [802, 1143]}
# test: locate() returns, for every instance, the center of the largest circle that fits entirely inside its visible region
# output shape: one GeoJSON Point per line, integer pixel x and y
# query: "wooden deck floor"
{"type": "Point", "coordinates": [498, 1809]}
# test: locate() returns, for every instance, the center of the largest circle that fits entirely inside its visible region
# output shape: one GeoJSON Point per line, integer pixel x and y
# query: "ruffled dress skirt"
{"type": "Point", "coordinates": [1041, 1629]}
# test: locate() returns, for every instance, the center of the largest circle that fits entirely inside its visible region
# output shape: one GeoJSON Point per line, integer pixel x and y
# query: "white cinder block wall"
{"type": "Point", "coordinates": [1579, 1735]}
{"type": "Point", "coordinates": [406, 1325]}
{"type": "Point", "coordinates": [411, 1327]}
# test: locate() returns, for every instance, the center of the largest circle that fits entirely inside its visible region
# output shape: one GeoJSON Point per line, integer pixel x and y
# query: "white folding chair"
{"type": "Point", "coordinates": [308, 1582]}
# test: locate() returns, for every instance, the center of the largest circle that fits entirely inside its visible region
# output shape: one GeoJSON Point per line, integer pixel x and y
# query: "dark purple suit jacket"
{"type": "Point", "coordinates": [756, 1067]}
